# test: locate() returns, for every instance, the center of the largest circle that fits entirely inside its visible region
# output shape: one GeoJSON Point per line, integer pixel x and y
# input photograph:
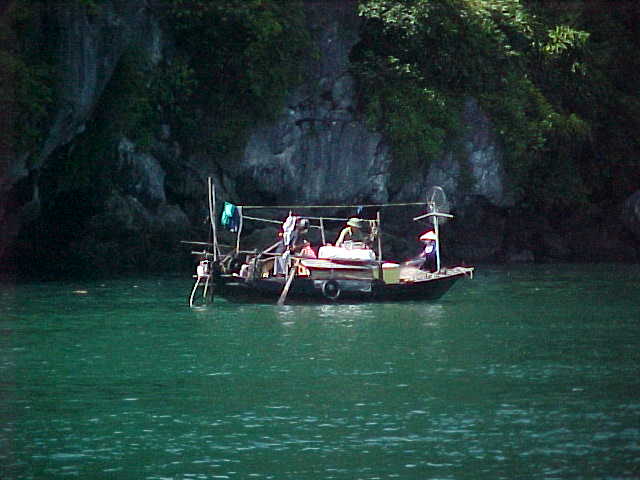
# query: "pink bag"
{"type": "Point", "coordinates": [308, 252]}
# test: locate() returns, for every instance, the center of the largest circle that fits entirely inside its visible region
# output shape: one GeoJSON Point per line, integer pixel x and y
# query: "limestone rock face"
{"type": "Point", "coordinates": [480, 159]}
{"type": "Point", "coordinates": [319, 151]}
{"type": "Point", "coordinates": [90, 48]}
{"type": "Point", "coordinates": [140, 174]}
{"type": "Point", "coordinates": [631, 213]}
{"type": "Point", "coordinates": [484, 157]}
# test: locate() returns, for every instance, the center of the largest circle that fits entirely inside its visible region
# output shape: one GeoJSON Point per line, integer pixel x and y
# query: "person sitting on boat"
{"type": "Point", "coordinates": [428, 253]}
{"type": "Point", "coordinates": [426, 259]}
{"type": "Point", "coordinates": [352, 232]}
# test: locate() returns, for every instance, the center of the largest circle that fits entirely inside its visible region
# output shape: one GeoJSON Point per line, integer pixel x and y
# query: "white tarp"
{"type": "Point", "coordinates": [329, 252]}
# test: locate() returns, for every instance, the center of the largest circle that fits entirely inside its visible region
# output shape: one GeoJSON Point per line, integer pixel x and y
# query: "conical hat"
{"type": "Point", "coordinates": [428, 235]}
{"type": "Point", "coordinates": [354, 222]}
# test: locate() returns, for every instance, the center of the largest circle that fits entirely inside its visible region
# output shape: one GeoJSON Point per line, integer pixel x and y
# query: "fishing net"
{"type": "Point", "coordinates": [437, 202]}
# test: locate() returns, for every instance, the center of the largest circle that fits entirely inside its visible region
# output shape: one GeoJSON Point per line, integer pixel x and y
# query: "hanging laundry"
{"type": "Point", "coordinates": [230, 218]}
{"type": "Point", "coordinates": [288, 227]}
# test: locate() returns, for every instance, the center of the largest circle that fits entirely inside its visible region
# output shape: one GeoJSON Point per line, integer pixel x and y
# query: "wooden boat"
{"type": "Point", "coordinates": [349, 274]}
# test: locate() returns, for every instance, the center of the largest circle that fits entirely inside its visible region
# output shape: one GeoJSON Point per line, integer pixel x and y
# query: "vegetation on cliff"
{"type": "Point", "coordinates": [221, 66]}
{"type": "Point", "coordinates": [27, 75]}
{"type": "Point", "coordinates": [235, 61]}
{"type": "Point", "coordinates": [227, 65]}
{"type": "Point", "coordinates": [559, 81]}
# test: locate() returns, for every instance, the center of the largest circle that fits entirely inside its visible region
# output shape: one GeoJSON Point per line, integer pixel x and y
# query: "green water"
{"type": "Point", "coordinates": [529, 372]}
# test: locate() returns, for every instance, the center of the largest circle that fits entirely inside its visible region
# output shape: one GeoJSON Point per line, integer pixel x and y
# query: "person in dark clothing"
{"type": "Point", "coordinates": [299, 239]}
{"type": "Point", "coordinates": [428, 253]}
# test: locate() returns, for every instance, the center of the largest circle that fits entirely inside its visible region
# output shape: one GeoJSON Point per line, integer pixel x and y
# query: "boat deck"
{"type": "Point", "coordinates": [412, 274]}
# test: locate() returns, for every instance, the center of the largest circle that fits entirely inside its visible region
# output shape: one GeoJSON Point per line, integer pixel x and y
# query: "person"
{"type": "Point", "coordinates": [426, 259]}
{"type": "Point", "coordinates": [278, 263]}
{"type": "Point", "coordinates": [352, 232]}
{"type": "Point", "coordinates": [428, 253]}
{"type": "Point", "coordinates": [293, 242]}
{"type": "Point", "coordinates": [298, 240]}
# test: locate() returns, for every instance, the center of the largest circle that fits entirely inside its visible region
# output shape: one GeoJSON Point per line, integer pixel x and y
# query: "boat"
{"type": "Point", "coordinates": [353, 272]}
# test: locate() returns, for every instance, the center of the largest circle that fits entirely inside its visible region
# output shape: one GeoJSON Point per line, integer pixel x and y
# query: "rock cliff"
{"type": "Point", "coordinates": [319, 150]}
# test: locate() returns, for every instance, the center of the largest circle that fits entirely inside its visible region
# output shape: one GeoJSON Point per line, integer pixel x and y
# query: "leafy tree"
{"type": "Point", "coordinates": [26, 76]}
{"type": "Point", "coordinates": [236, 60]}
{"type": "Point", "coordinates": [499, 51]}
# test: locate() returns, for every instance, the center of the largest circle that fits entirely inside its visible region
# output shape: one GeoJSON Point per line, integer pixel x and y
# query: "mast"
{"type": "Point", "coordinates": [212, 217]}
{"type": "Point", "coordinates": [379, 234]}
{"type": "Point", "coordinates": [437, 232]}
{"type": "Point", "coordinates": [322, 230]}
{"type": "Point", "coordinates": [239, 229]}
{"type": "Point", "coordinates": [434, 216]}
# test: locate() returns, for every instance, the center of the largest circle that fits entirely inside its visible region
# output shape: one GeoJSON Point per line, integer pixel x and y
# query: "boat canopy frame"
{"type": "Point", "coordinates": [433, 214]}
{"type": "Point", "coordinates": [207, 270]}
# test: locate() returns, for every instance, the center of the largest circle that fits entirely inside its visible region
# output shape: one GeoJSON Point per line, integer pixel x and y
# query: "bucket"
{"type": "Point", "coordinates": [391, 272]}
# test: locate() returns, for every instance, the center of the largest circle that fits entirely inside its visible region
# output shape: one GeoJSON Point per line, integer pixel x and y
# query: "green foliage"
{"type": "Point", "coordinates": [92, 6]}
{"type": "Point", "coordinates": [540, 144]}
{"type": "Point", "coordinates": [232, 65]}
{"type": "Point", "coordinates": [561, 39]}
{"type": "Point", "coordinates": [415, 118]}
{"type": "Point", "coordinates": [172, 83]}
{"type": "Point", "coordinates": [26, 77]}
{"type": "Point", "coordinates": [127, 104]}
{"type": "Point", "coordinates": [531, 70]}
{"type": "Point", "coordinates": [238, 58]}
{"type": "Point", "coordinates": [416, 61]}
{"type": "Point", "coordinates": [126, 108]}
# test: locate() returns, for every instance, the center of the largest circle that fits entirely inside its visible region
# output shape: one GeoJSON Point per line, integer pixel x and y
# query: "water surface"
{"type": "Point", "coordinates": [529, 372]}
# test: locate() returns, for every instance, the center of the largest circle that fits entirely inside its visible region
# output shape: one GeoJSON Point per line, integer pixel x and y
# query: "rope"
{"type": "Point", "coordinates": [262, 219]}
{"type": "Point", "coordinates": [247, 217]}
{"type": "Point", "coordinates": [294, 207]}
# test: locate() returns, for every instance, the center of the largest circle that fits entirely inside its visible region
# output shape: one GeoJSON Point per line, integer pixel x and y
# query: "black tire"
{"type": "Point", "coordinates": [331, 289]}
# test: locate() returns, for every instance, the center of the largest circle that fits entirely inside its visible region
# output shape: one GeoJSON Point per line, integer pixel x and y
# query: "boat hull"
{"type": "Point", "coordinates": [308, 290]}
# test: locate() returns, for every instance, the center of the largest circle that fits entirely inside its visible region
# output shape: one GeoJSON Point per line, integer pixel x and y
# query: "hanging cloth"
{"type": "Point", "coordinates": [288, 227]}
{"type": "Point", "coordinates": [280, 265]}
{"type": "Point", "coordinates": [230, 218]}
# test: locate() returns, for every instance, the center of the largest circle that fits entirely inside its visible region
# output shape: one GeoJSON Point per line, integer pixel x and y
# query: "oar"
{"type": "Point", "coordinates": [285, 290]}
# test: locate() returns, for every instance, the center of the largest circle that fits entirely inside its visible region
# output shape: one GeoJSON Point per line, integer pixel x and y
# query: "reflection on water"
{"type": "Point", "coordinates": [520, 373]}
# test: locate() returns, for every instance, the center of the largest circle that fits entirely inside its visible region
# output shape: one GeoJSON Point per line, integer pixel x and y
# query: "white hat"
{"type": "Point", "coordinates": [354, 222]}
{"type": "Point", "coordinates": [428, 235]}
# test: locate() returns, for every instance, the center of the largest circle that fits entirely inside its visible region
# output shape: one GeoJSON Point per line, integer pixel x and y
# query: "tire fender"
{"type": "Point", "coordinates": [331, 289]}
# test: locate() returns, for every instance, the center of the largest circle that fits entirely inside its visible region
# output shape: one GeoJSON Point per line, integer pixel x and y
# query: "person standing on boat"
{"type": "Point", "coordinates": [293, 242]}
{"type": "Point", "coordinates": [299, 243]}
{"type": "Point", "coordinates": [352, 232]}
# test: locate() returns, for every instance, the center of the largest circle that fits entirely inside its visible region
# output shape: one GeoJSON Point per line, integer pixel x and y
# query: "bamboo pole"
{"type": "Point", "coordinates": [435, 228]}
{"type": "Point", "coordinates": [285, 290]}
{"type": "Point", "coordinates": [212, 217]}
{"type": "Point", "coordinates": [295, 207]}
{"type": "Point", "coordinates": [239, 230]}
{"type": "Point", "coordinates": [379, 234]}
{"type": "Point", "coordinates": [431, 214]}
{"type": "Point", "coordinates": [269, 220]}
